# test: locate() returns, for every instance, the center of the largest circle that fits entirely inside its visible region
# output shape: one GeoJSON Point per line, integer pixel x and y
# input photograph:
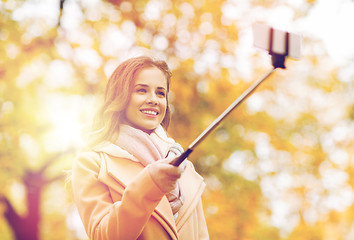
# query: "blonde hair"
{"type": "Point", "coordinates": [117, 95]}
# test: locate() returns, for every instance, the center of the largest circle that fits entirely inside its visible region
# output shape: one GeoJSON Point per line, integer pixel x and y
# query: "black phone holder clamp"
{"type": "Point", "coordinates": [278, 60]}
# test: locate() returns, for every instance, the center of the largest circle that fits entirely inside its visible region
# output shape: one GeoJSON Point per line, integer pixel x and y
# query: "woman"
{"type": "Point", "coordinates": [124, 186]}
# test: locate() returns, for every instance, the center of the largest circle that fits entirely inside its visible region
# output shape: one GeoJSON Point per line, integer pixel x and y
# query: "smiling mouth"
{"type": "Point", "coordinates": [150, 112]}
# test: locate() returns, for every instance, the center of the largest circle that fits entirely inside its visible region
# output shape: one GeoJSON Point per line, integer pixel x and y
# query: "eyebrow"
{"type": "Point", "coordinates": [146, 86]}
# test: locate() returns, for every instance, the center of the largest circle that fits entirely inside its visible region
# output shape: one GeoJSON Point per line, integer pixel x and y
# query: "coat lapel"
{"type": "Point", "coordinates": [193, 186]}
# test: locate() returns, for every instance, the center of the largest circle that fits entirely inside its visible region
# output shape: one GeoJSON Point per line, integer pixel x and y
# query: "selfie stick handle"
{"type": "Point", "coordinates": [217, 121]}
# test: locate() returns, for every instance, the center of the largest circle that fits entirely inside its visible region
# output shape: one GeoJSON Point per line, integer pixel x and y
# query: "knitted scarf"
{"type": "Point", "coordinates": [148, 148]}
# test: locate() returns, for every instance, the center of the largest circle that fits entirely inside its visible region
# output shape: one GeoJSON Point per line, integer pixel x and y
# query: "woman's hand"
{"type": "Point", "coordinates": [164, 174]}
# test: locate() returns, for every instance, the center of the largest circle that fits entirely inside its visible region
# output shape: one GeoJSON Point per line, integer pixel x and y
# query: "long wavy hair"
{"type": "Point", "coordinates": [117, 95]}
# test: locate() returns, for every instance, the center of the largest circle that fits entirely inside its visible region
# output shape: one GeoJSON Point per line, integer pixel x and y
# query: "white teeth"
{"type": "Point", "coordinates": [149, 112]}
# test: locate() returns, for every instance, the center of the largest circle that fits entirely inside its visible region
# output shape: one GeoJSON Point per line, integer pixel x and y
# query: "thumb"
{"type": "Point", "coordinates": [168, 159]}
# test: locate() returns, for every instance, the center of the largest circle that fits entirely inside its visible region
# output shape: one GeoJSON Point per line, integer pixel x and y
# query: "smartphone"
{"type": "Point", "coordinates": [263, 35]}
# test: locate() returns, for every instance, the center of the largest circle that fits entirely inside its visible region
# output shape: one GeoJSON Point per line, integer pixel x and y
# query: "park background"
{"type": "Point", "coordinates": [281, 166]}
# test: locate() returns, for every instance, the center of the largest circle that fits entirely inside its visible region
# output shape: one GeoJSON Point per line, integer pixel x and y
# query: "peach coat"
{"type": "Point", "coordinates": [117, 199]}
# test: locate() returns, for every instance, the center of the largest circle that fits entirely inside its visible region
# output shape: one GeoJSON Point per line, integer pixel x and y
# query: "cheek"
{"type": "Point", "coordinates": [164, 104]}
{"type": "Point", "coordinates": [136, 101]}
{"type": "Point", "coordinates": [133, 105]}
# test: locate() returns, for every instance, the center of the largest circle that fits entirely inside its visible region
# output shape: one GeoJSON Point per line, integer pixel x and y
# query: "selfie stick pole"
{"type": "Point", "coordinates": [277, 62]}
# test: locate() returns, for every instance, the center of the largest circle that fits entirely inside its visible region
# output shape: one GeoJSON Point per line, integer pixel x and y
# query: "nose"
{"type": "Point", "coordinates": [152, 99]}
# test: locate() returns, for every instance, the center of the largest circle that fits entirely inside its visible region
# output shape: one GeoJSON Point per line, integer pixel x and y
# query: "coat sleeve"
{"type": "Point", "coordinates": [103, 218]}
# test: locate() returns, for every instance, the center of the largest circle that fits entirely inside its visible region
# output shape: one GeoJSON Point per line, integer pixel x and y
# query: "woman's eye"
{"type": "Point", "coordinates": [141, 90]}
{"type": "Point", "coordinates": [161, 94]}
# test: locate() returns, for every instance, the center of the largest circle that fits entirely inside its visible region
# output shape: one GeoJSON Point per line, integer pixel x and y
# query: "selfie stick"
{"type": "Point", "coordinates": [277, 62]}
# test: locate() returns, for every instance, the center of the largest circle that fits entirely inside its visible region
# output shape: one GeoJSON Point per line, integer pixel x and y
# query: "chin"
{"type": "Point", "coordinates": [151, 128]}
{"type": "Point", "coordinates": [148, 128]}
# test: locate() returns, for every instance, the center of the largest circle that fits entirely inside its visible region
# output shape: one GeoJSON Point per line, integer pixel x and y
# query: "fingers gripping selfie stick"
{"type": "Point", "coordinates": [279, 45]}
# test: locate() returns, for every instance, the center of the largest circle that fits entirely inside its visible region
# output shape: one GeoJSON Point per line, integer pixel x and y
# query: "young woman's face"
{"type": "Point", "coordinates": [148, 103]}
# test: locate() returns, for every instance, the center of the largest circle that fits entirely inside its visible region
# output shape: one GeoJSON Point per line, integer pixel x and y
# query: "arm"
{"type": "Point", "coordinates": [103, 218]}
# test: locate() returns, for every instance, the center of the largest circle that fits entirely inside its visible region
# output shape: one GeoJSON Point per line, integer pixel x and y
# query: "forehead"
{"type": "Point", "coordinates": [151, 76]}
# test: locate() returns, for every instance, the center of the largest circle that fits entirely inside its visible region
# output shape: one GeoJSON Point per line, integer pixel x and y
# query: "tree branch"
{"type": "Point", "coordinates": [10, 213]}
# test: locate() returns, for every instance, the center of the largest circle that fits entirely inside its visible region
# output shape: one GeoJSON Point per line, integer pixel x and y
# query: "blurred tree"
{"type": "Point", "coordinates": [27, 227]}
{"type": "Point", "coordinates": [280, 167]}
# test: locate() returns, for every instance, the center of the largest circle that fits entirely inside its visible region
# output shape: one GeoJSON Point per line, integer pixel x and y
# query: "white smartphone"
{"type": "Point", "coordinates": [262, 37]}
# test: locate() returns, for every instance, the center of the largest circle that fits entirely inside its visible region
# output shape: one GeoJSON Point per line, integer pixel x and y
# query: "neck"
{"type": "Point", "coordinates": [148, 131]}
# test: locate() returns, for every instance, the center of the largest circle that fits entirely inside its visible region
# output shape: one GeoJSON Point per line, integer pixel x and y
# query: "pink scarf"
{"type": "Point", "coordinates": [148, 148]}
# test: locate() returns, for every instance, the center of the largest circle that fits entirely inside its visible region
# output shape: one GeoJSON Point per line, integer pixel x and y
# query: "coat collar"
{"type": "Point", "coordinates": [114, 150]}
